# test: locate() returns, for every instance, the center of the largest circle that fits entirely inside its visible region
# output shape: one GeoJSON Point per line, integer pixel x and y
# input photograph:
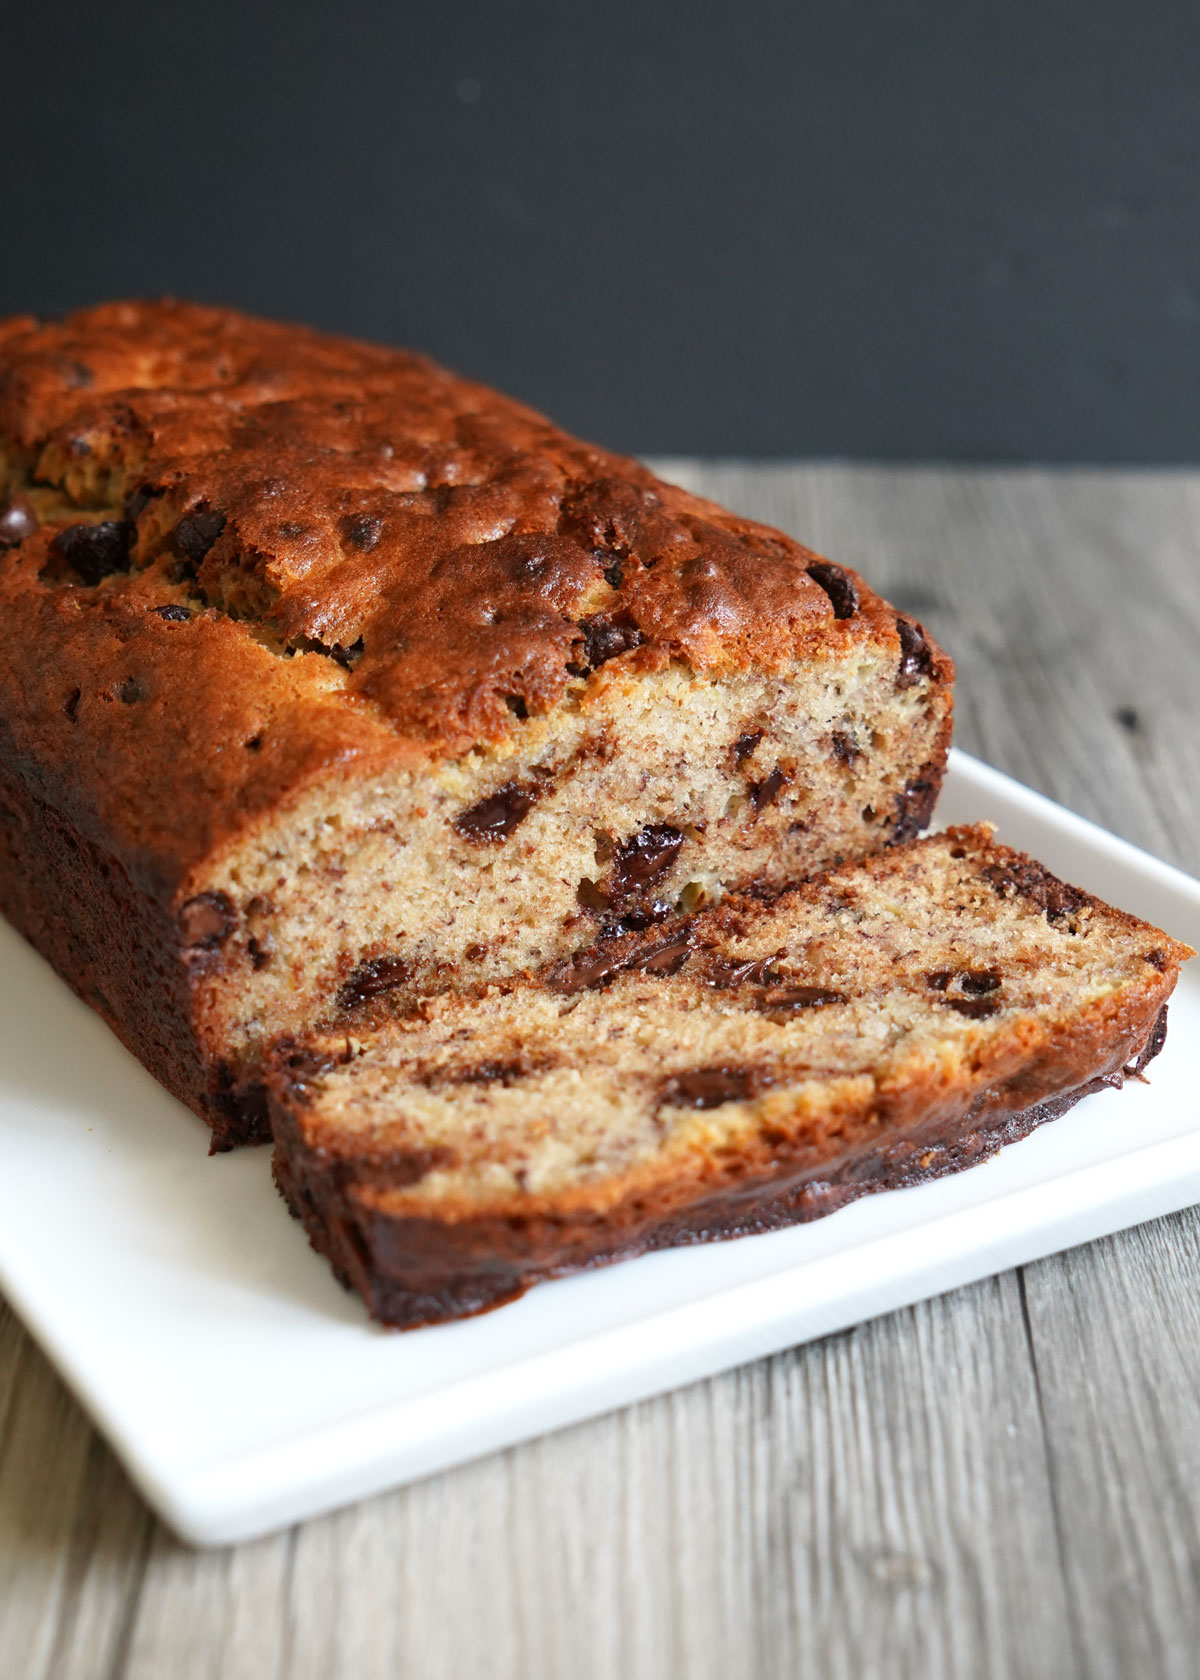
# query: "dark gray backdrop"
{"type": "Point", "coordinates": [903, 229]}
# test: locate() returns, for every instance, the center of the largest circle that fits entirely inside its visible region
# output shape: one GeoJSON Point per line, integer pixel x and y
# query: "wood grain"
{"type": "Point", "coordinates": [1001, 1482]}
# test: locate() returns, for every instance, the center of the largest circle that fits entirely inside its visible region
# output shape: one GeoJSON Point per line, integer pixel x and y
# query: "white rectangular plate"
{"type": "Point", "coordinates": [244, 1389]}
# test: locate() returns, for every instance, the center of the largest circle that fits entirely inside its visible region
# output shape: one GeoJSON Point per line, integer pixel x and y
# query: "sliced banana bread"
{"type": "Point", "coordinates": [328, 674]}
{"type": "Point", "coordinates": [748, 1067]}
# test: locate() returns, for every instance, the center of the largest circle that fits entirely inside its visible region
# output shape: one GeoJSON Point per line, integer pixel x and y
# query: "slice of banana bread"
{"type": "Point", "coordinates": [328, 674]}
{"type": "Point", "coordinates": [749, 1067]}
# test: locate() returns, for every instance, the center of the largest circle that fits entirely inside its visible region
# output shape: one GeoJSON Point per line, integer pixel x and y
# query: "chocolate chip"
{"type": "Point", "coordinates": [766, 792]}
{"type": "Point", "coordinates": [978, 1008]}
{"type": "Point", "coordinates": [745, 745]}
{"type": "Point", "coordinates": [709, 1087]}
{"type": "Point", "coordinates": [798, 997]}
{"type": "Point", "coordinates": [845, 747]}
{"type": "Point", "coordinates": [206, 920]}
{"type": "Point", "coordinates": [493, 819]}
{"type": "Point", "coordinates": [838, 585]}
{"type": "Point", "coordinates": [362, 531]}
{"type": "Point", "coordinates": [173, 613]}
{"type": "Point", "coordinates": [492, 1073]}
{"type": "Point", "coordinates": [916, 661]}
{"type": "Point", "coordinates": [373, 978]}
{"type": "Point", "coordinates": [637, 921]}
{"type": "Point", "coordinates": [18, 520]}
{"type": "Point", "coordinates": [130, 691]}
{"type": "Point", "coordinates": [756, 972]}
{"type": "Point", "coordinates": [261, 950]}
{"type": "Point", "coordinates": [913, 809]}
{"type": "Point", "coordinates": [138, 500]}
{"type": "Point", "coordinates": [347, 657]}
{"type": "Point", "coordinates": [96, 551]}
{"type": "Point", "coordinates": [1023, 878]}
{"type": "Point", "coordinates": [1156, 959]}
{"type": "Point", "coordinates": [196, 532]}
{"type": "Point", "coordinates": [71, 703]}
{"type": "Point", "coordinates": [643, 859]}
{"type": "Point", "coordinates": [603, 639]}
{"type": "Point", "coordinates": [244, 1112]}
{"type": "Point", "coordinates": [612, 566]}
{"type": "Point", "coordinates": [974, 982]}
{"type": "Point", "coordinates": [303, 1068]}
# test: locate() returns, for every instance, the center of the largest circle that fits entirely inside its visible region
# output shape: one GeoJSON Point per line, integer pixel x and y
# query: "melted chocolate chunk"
{"type": "Point", "coordinates": [206, 921]}
{"type": "Point", "coordinates": [603, 639]}
{"type": "Point", "coordinates": [916, 661]}
{"type": "Point", "coordinates": [495, 818]}
{"type": "Point", "coordinates": [18, 520]}
{"type": "Point", "coordinates": [492, 1073]}
{"type": "Point", "coordinates": [373, 978]}
{"type": "Point", "coordinates": [757, 972]}
{"type": "Point", "coordinates": [843, 596]}
{"type": "Point", "coordinates": [767, 791]}
{"type": "Point", "coordinates": [665, 959]}
{"type": "Point", "coordinates": [196, 532]}
{"type": "Point", "coordinates": [585, 971]}
{"type": "Point", "coordinates": [643, 859]}
{"type": "Point", "coordinates": [787, 998]}
{"type": "Point", "coordinates": [913, 809]}
{"type": "Point", "coordinates": [173, 613]}
{"type": "Point", "coordinates": [709, 1087]}
{"type": "Point", "coordinates": [362, 531]}
{"type": "Point", "coordinates": [96, 551]}
{"type": "Point", "coordinates": [745, 745]}
{"type": "Point", "coordinates": [1027, 879]}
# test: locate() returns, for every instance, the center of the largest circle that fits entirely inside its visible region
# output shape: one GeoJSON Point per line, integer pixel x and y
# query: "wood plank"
{"type": "Point", "coordinates": [917, 1496]}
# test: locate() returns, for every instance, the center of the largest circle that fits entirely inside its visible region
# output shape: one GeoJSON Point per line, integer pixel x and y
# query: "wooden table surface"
{"type": "Point", "coordinates": [1004, 1481]}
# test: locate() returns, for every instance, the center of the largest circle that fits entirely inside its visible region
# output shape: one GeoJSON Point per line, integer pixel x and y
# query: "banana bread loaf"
{"type": "Point", "coordinates": [752, 1066]}
{"type": "Point", "coordinates": [328, 675]}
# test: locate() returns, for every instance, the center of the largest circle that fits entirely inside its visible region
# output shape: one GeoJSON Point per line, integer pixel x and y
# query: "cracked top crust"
{"type": "Point", "coordinates": [278, 551]}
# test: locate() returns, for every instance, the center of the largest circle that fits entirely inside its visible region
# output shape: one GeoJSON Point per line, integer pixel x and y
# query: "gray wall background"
{"type": "Point", "coordinates": [901, 230]}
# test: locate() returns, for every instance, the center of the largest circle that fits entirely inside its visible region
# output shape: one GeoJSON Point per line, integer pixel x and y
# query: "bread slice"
{"type": "Point", "coordinates": [755, 1065]}
{"type": "Point", "coordinates": [328, 674]}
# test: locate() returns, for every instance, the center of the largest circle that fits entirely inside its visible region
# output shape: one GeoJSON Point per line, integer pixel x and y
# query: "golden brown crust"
{"type": "Point", "coordinates": [381, 562]}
